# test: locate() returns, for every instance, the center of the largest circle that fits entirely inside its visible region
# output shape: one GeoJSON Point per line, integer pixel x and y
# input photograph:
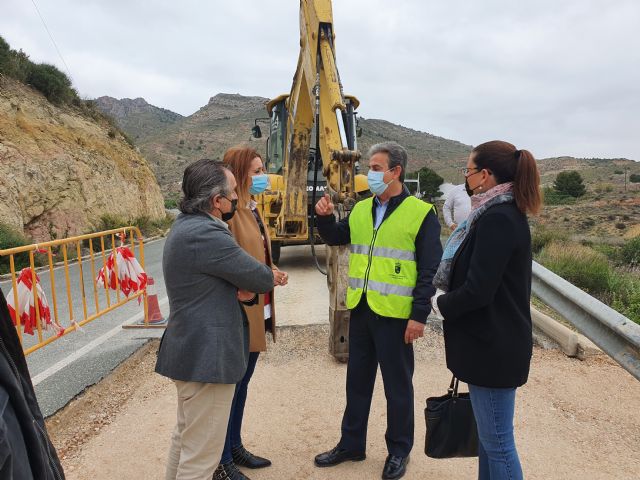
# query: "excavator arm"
{"type": "Point", "coordinates": [315, 111]}
{"type": "Point", "coordinates": [316, 100]}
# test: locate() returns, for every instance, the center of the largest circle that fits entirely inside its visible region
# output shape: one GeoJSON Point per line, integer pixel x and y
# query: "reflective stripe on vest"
{"type": "Point", "coordinates": [382, 262]}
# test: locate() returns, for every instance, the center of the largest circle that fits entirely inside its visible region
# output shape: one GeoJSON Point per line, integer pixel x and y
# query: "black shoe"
{"type": "Point", "coordinates": [394, 467]}
{"type": "Point", "coordinates": [336, 456]}
{"type": "Point", "coordinates": [228, 471]}
{"type": "Point", "coordinates": [244, 458]}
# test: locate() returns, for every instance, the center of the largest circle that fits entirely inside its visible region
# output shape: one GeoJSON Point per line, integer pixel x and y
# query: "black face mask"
{"type": "Point", "coordinates": [468, 188]}
{"type": "Point", "coordinates": [226, 216]}
{"type": "Point", "coordinates": [466, 184]}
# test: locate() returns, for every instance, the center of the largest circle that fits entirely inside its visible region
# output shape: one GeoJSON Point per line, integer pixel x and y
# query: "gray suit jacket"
{"type": "Point", "coordinates": [207, 335]}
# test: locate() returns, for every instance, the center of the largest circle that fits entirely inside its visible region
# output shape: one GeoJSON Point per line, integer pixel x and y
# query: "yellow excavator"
{"type": "Point", "coordinates": [316, 112]}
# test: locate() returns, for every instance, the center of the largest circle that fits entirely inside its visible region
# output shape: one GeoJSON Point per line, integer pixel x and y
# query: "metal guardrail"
{"type": "Point", "coordinates": [614, 333]}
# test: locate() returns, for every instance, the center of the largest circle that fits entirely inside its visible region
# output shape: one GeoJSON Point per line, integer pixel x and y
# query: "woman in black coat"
{"type": "Point", "coordinates": [486, 274]}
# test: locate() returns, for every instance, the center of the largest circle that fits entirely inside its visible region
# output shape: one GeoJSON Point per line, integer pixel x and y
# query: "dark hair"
{"type": "Point", "coordinates": [238, 160]}
{"type": "Point", "coordinates": [508, 164]}
{"type": "Point", "coordinates": [203, 180]}
{"type": "Point", "coordinates": [396, 153]}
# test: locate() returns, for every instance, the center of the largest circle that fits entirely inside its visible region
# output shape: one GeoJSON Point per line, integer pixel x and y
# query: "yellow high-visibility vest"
{"type": "Point", "coordinates": [382, 262]}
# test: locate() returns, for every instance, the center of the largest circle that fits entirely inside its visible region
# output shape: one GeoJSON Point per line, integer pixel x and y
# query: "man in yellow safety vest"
{"type": "Point", "coordinates": [395, 252]}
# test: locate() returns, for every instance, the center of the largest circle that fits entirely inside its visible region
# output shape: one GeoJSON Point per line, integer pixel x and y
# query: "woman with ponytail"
{"type": "Point", "coordinates": [484, 283]}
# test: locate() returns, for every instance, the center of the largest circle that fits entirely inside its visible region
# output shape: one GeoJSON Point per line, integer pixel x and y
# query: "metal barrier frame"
{"type": "Point", "coordinates": [614, 333]}
{"type": "Point", "coordinates": [130, 232]}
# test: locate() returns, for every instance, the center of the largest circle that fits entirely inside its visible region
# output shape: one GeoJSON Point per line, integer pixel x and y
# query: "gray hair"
{"type": "Point", "coordinates": [396, 153]}
{"type": "Point", "coordinates": [203, 180]}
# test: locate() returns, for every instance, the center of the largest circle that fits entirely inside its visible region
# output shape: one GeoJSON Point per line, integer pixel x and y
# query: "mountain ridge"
{"type": "Point", "coordinates": [227, 119]}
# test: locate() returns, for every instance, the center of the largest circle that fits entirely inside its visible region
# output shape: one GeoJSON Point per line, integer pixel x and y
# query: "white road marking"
{"type": "Point", "coordinates": [53, 369]}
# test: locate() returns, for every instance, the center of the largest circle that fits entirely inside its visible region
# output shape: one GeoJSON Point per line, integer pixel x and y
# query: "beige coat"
{"type": "Point", "coordinates": [246, 231]}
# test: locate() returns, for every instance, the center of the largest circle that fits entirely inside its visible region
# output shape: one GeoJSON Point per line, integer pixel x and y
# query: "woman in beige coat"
{"type": "Point", "coordinates": [251, 233]}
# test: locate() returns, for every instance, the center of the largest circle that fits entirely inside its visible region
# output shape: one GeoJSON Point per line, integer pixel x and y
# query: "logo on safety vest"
{"type": "Point", "coordinates": [397, 269]}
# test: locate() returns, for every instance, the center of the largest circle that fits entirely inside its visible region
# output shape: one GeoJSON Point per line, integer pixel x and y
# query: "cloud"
{"type": "Point", "coordinates": [559, 78]}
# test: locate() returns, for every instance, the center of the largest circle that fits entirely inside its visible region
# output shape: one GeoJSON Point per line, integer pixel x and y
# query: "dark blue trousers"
{"type": "Point", "coordinates": [379, 340]}
{"type": "Point", "coordinates": [234, 439]}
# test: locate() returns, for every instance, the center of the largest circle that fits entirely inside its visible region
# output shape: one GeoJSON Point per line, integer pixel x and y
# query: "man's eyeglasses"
{"type": "Point", "coordinates": [465, 171]}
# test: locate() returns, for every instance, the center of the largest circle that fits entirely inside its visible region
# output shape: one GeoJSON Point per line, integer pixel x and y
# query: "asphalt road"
{"type": "Point", "coordinates": [65, 367]}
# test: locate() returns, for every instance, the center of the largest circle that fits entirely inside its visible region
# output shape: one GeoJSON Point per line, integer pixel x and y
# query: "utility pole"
{"type": "Point", "coordinates": [626, 169]}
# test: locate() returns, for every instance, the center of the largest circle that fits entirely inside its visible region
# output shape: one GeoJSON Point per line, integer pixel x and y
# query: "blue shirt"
{"type": "Point", "coordinates": [381, 208]}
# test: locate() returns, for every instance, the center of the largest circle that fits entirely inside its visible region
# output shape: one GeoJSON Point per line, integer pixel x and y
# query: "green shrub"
{"type": "Point", "coordinates": [583, 266]}
{"type": "Point", "coordinates": [147, 226]}
{"type": "Point", "coordinates": [543, 236]}
{"type": "Point", "coordinates": [14, 64]}
{"type": "Point", "coordinates": [612, 252]}
{"type": "Point", "coordinates": [634, 178]}
{"type": "Point", "coordinates": [630, 252]}
{"type": "Point", "coordinates": [110, 221]}
{"type": "Point", "coordinates": [144, 223]}
{"type": "Point", "coordinates": [5, 56]}
{"type": "Point", "coordinates": [553, 197]}
{"type": "Point", "coordinates": [10, 238]}
{"type": "Point", "coordinates": [626, 296]}
{"type": "Point", "coordinates": [603, 188]}
{"type": "Point", "coordinates": [52, 83]}
{"type": "Point", "coordinates": [170, 203]}
{"type": "Point", "coordinates": [589, 269]}
{"type": "Point", "coordinates": [569, 183]}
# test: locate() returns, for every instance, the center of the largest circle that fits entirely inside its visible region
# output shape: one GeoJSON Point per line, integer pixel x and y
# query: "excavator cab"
{"type": "Point", "coordinates": [276, 142]}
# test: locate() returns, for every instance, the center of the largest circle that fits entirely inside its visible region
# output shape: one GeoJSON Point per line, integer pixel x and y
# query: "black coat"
{"type": "Point", "coordinates": [25, 448]}
{"type": "Point", "coordinates": [487, 315]}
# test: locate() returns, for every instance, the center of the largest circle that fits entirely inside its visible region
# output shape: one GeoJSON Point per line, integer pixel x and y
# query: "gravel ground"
{"type": "Point", "coordinates": [574, 420]}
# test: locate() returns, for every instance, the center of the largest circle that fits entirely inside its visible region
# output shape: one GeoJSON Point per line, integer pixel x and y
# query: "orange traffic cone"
{"type": "Point", "coordinates": [155, 315]}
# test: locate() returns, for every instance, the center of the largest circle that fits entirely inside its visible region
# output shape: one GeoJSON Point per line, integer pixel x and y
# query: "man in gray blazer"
{"type": "Point", "coordinates": [205, 347]}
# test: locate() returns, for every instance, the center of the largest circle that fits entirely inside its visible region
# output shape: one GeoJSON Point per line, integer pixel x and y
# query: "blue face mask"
{"type": "Point", "coordinates": [259, 184]}
{"type": "Point", "coordinates": [376, 182]}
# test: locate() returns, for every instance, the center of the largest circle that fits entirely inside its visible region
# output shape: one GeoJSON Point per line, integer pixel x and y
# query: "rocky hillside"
{"type": "Point", "coordinates": [137, 117]}
{"type": "Point", "coordinates": [227, 120]}
{"type": "Point", "coordinates": [61, 169]}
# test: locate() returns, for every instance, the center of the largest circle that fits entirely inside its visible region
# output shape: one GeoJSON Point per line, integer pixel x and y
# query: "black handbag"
{"type": "Point", "coordinates": [451, 426]}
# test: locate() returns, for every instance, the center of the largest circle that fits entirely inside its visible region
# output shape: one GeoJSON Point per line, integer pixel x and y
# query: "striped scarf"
{"type": "Point", "coordinates": [502, 193]}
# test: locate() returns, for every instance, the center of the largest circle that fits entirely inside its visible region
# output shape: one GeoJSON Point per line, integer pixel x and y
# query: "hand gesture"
{"type": "Point", "coordinates": [245, 296]}
{"type": "Point", "coordinates": [280, 278]}
{"type": "Point", "coordinates": [324, 206]}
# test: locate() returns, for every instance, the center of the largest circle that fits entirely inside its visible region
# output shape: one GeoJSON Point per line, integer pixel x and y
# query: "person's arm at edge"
{"type": "Point", "coordinates": [447, 209]}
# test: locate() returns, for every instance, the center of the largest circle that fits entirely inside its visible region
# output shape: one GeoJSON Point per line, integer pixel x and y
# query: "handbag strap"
{"type": "Point", "coordinates": [453, 387]}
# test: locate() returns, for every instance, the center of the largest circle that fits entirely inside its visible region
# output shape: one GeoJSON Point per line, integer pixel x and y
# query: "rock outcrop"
{"type": "Point", "coordinates": [61, 170]}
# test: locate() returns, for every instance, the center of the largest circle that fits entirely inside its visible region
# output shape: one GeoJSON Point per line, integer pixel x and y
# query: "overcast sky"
{"type": "Point", "coordinates": [557, 77]}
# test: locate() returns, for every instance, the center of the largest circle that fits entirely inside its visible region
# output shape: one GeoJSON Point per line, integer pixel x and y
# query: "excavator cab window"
{"type": "Point", "coordinates": [277, 136]}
